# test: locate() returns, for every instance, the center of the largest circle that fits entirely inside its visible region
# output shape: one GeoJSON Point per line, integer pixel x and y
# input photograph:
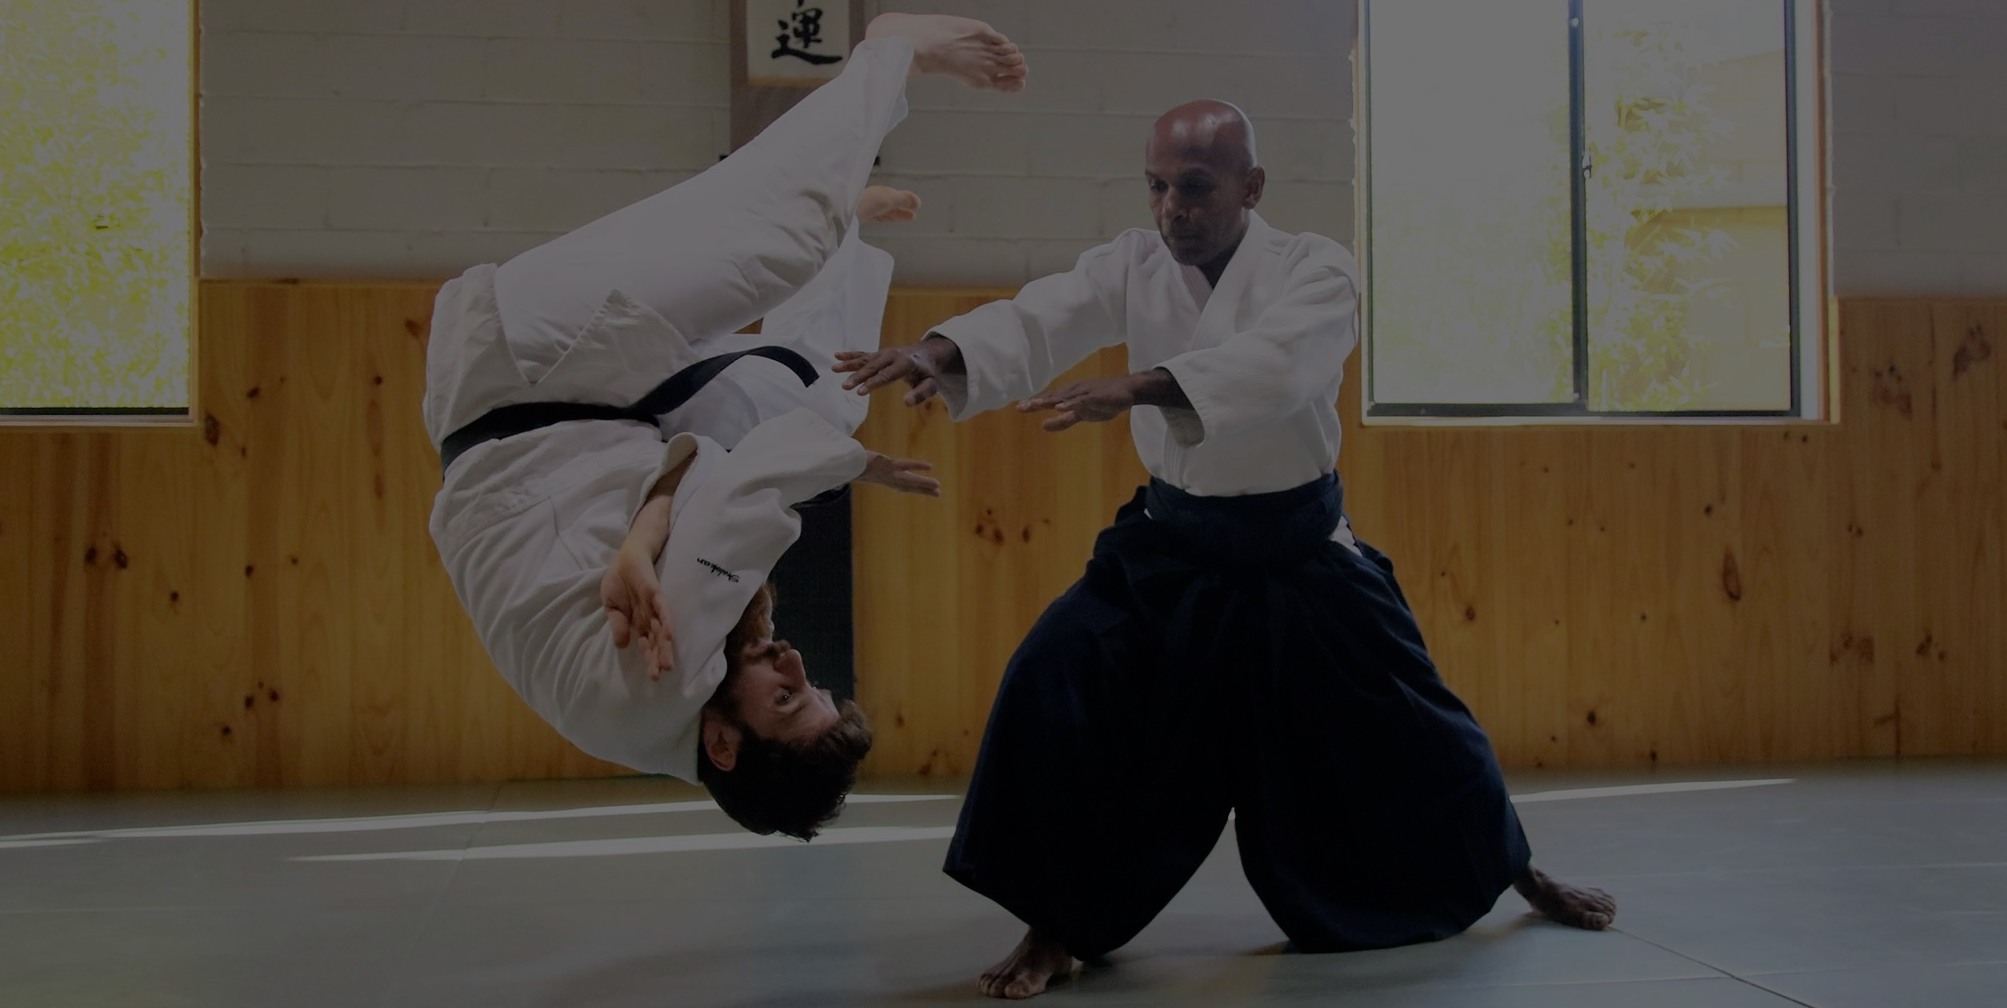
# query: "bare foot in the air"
{"type": "Point", "coordinates": [1035, 962]}
{"type": "Point", "coordinates": [963, 48]}
{"type": "Point", "coordinates": [886, 205]}
{"type": "Point", "coordinates": [1575, 906]}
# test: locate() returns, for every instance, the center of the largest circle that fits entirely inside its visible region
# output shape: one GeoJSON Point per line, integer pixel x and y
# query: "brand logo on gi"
{"type": "Point", "coordinates": [720, 571]}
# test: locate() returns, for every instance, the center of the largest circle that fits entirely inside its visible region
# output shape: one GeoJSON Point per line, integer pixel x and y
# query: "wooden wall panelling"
{"type": "Point", "coordinates": [1885, 447]}
{"type": "Point", "coordinates": [1957, 667]}
{"type": "Point", "coordinates": [1808, 592]}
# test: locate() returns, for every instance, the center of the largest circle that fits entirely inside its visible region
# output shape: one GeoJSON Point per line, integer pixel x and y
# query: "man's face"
{"type": "Point", "coordinates": [774, 698]}
{"type": "Point", "coordinates": [1201, 209]}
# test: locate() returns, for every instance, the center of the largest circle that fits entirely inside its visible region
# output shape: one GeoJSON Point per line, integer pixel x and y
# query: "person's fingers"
{"type": "Point", "coordinates": [1055, 399]}
{"type": "Point", "coordinates": [662, 618]}
{"type": "Point", "coordinates": [884, 374]}
{"type": "Point", "coordinates": [865, 368]}
{"type": "Point", "coordinates": [618, 621]}
{"type": "Point", "coordinates": [922, 392]}
{"type": "Point", "coordinates": [1062, 421]}
{"type": "Point", "coordinates": [648, 654]}
{"type": "Point", "coordinates": [665, 640]}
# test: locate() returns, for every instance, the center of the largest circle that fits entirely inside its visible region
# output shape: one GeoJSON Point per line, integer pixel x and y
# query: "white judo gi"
{"type": "Point", "coordinates": [1261, 357]}
{"type": "Point", "coordinates": [527, 525]}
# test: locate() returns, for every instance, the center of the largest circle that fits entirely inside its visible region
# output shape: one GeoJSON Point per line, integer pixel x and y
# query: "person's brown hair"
{"type": "Point", "coordinates": [774, 787]}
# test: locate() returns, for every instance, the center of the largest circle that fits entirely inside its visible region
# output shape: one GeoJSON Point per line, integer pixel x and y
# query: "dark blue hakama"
{"type": "Point", "coordinates": [1222, 653]}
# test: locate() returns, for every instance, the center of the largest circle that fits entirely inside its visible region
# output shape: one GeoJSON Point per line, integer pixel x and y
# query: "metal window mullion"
{"type": "Point", "coordinates": [1791, 202]}
{"type": "Point", "coordinates": [1578, 199]}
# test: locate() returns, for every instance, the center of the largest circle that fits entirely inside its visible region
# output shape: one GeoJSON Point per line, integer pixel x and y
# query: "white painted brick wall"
{"type": "Point", "coordinates": [415, 137]}
{"type": "Point", "coordinates": [385, 138]}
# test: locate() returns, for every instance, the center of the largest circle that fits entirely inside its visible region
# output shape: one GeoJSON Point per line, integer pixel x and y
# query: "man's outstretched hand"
{"type": "Point", "coordinates": [1098, 400]}
{"type": "Point", "coordinates": [920, 365]}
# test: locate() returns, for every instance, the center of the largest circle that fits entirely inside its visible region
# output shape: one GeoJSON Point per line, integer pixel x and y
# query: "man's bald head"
{"type": "Point", "coordinates": [1204, 180]}
{"type": "Point", "coordinates": [1209, 130]}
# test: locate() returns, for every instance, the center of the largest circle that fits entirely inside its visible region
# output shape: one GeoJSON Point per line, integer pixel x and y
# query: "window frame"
{"type": "Point", "coordinates": [18, 418]}
{"type": "Point", "coordinates": [1813, 349]}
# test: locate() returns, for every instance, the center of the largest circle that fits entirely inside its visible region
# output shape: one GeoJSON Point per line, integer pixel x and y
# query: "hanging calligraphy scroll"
{"type": "Point", "coordinates": [782, 50]}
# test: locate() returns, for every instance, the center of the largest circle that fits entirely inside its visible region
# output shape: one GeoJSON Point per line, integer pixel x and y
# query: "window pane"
{"type": "Point", "coordinates": [96, 253]}
{"type": "Point", "coordinates": [1689, 255]}
{"type": "Point", "coordinates": [1468, 206]}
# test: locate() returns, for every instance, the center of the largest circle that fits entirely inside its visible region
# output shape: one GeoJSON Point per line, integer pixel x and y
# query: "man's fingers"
{"type": "Point", "coordinates": [921, 392]}
{"type": "Point", "coordinates": [863, 369]}
{"type": "Point", "coordinates": [1053, 398]}
{"type": "Point", "coordinates": [651, 652]}
{"type": "Point", "coordinates": [663, 641]}
{"type": "Point", "coordinates": [1062, 421]}
{"type": "Point", "coordinates": [620, 630]}
{"type": "Point", "coordinates": [662, 618]}
{"type": "Point", "coordinates": [874, 379]}
{"type": "Point", "coordinates": [849, 360]}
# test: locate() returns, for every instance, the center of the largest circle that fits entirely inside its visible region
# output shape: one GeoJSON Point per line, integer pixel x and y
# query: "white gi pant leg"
{"type": "Point", "coordinates": [843, 308]}
{"type": "Point", "coordinates": [714, 253]}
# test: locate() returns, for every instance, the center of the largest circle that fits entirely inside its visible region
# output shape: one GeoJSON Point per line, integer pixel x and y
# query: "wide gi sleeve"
{"type": "Point", "coordinates": [1294, 351]}
{"type": "Point", "coordinates": [1016, 347]}
{"type": "Point", "coordinates": [734, 512]}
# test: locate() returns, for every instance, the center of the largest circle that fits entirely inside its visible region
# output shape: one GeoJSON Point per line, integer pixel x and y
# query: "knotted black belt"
{"type": "Point", "coordinates": [521, 418]}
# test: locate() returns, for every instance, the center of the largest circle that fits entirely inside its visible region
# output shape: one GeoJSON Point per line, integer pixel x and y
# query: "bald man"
{"type": "Point", "coordinates": [1232, 646]}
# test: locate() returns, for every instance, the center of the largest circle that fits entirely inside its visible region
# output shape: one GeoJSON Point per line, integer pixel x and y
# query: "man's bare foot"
{"type": "Point", "coordinates": [963, 48]}
{"type": "Point", "coordinates": [886, 205]}
{"type": "Point", "coordinates": [1035, 962]}
{"type": "Point", "coordinates": [1575, 906]}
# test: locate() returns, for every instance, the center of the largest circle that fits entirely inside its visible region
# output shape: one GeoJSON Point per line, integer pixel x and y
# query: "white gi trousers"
{"type": "Point", "coordinates": [768, 233]}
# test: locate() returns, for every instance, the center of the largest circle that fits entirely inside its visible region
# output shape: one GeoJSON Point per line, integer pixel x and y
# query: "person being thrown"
{"type": "Point", "coordinates": [575, 536]}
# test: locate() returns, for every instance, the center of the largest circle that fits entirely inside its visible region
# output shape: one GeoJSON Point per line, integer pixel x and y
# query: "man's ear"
{"type": "Point", "coordinates": [721, 741]}
{"type": "Point", "coordinates": [1257, 180]}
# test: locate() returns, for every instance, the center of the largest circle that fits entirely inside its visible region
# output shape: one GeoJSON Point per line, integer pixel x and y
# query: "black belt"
{"type": "Point", "coordinates": [508, 421]}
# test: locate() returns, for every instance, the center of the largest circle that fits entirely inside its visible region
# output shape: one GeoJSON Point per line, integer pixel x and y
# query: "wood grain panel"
{"type": "Point", "coordinates": [254, 599]}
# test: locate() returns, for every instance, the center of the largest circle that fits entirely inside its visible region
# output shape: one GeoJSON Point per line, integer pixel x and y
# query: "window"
{"type": "Point", "coordinates": [1592, 209]}
{"type": "Point", "coordinates": [97, 257]}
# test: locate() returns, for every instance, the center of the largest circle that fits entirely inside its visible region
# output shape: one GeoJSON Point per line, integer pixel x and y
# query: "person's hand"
{"type": "Point", "coordinates": [903, 475]}
{"type": "Point", "coordinates": [1095, 400]}
{"type": "Point", "coordinates": [632, 597]}
{"type": "Point", "coordinates": [918, 365]}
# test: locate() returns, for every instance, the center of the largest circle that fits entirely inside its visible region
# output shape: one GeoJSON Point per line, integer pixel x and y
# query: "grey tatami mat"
{"type": "Point", "coordinates": [1847, 886]}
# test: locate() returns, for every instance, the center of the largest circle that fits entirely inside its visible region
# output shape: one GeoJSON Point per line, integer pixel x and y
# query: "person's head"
{"type": "Point", "coordinates": [777, 754]}
{"type": "Point", "coordinates": [1204, 178]}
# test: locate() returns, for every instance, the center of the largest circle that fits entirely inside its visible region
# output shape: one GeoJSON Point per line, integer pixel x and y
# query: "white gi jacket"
{"type": "Point", "coordinates": [527, 526]}
{"type": "Point", "coordinates": [1261, 358]}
